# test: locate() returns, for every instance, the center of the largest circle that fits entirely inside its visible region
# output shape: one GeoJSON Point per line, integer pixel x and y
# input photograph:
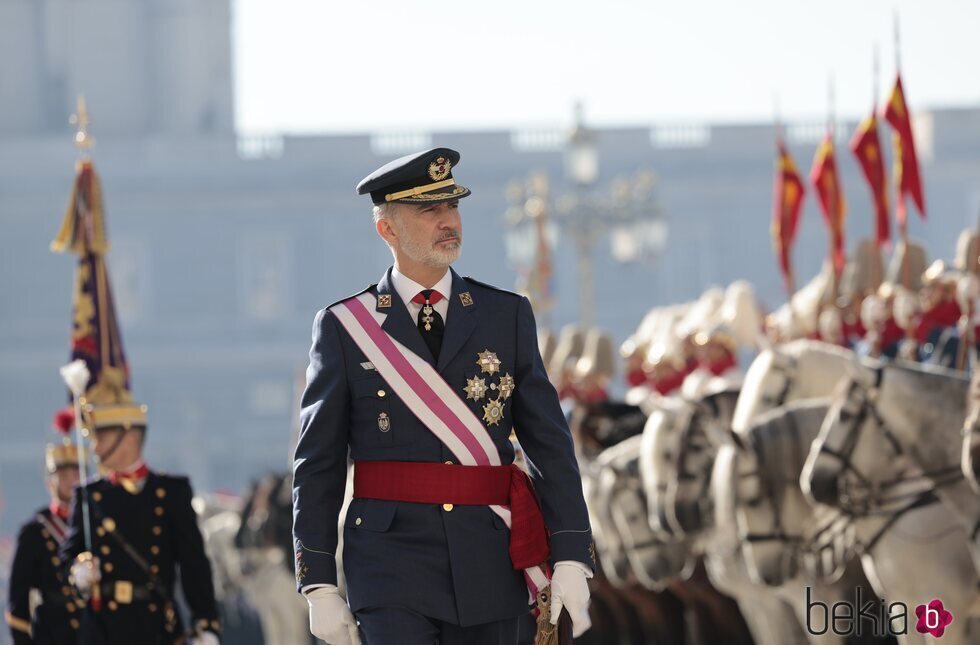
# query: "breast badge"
{"type": "Point", "coordinates": [505, 387]}
{"type": "Point", "coordinates": [384, 424]}
{"type": "Point", "coordinates": [476, 388]}
{"type": "Point", "coordinates": [488, 362]}
{"type": "Point", "coordinates": [493, 412]}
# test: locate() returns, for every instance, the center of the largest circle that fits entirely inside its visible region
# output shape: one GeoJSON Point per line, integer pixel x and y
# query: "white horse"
{"type": "Point", "coordinates": [679, 446]}
{"type": "Point", "coordinates": [794, 371]}
{"type": "Point", "coordinates": [970, 456]}
{"type": "Point", "coordinates": [801, 550]}
{"type": "Point", "coordinates": [865, 461]}
{"type": "Point", "coordinates": [626, 545]}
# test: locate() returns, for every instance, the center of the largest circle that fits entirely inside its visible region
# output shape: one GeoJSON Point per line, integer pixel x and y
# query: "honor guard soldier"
{"type": "Point", "coordinates": [131, 529]}
{"type": "Point", "coordinates": [37, 581]}
{"type": "Point", "coordinates": [420, 380]}
{"type": "Point", "coordinates": [143, 527]}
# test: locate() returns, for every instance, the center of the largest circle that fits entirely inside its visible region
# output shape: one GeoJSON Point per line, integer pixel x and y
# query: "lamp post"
{"type": "Point", "coordinates": [628, 212]}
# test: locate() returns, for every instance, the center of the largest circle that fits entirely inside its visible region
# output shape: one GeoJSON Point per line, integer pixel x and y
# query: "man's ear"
{"type": "Point", "coordinates": [386, 230]}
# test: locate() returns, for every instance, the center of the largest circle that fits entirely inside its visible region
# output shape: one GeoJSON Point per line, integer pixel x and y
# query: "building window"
{"type": "Point", "coordinates": [266, 274]}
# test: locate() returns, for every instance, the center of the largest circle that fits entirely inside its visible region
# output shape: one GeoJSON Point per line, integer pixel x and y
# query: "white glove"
{"type": "Point", "coordinates": [570, 590]}
{"type": "Point", "coordinates": [85, 572]}
{"type": "Point", "coordinates": [330, 617]}
{"type": "Point", "coordinates": [205, 638]}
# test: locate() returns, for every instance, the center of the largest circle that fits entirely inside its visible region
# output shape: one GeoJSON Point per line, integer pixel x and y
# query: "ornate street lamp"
{"type": "Point", "coordinates": [629, 213]}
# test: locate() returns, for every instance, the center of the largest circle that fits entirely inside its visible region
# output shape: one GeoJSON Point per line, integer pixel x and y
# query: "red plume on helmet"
{"type": "Point", "coordinates": [64, 420]}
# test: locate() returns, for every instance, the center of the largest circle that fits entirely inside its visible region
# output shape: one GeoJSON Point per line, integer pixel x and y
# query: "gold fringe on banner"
{"type": "Point", "coordinates": [85, 202]}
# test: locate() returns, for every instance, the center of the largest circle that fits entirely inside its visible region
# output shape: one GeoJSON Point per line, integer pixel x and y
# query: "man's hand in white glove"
{"type": "Point", "coordinates": [206, 638]}
{"type": "Point", "coordinates": [330, 617]}
{"type": "Point", "coordinates": [569, 589]}
{"type": "Point", "coordinates": [85, 572]}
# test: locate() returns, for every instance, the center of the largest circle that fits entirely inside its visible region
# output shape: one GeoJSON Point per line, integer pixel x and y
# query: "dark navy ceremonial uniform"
{"type": "Point", "coordinates": [37, 567]}
{"type": "Point", "coordinates": [160, 528]}
{"type": "Point", "coordinates": [447, 563]}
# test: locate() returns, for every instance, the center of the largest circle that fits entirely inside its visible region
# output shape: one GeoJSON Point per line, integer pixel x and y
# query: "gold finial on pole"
{"type": "Point", "coordinates": [83, 139]}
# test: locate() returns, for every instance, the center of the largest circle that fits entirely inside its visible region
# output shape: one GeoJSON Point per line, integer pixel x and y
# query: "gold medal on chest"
{"type": "Point", "coordinates": [476, 388]}
{"type": "Point", "coordinates": [488, 362]}
{"type": "Point", "coordinates": [493, 412]}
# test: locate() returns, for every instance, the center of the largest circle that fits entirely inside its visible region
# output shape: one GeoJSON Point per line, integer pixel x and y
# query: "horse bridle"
{"type": "Point", "coordinates": [867, 406]}
{"type": "Point", "coordinates": [767, 493]}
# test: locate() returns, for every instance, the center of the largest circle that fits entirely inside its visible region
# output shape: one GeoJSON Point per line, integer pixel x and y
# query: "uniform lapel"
{"type": "Point", "coordinates": [398, 323]}
{"type": "Point", "coordinates": [460, 322]}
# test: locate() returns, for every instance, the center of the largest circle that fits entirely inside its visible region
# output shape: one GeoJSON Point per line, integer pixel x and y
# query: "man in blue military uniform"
{"type": "Point", "coordinates": [36, 567]}
{"type": "Point", "coordinates": [397, 374]}
{"type": "Point", "coordinates": [142, 528]}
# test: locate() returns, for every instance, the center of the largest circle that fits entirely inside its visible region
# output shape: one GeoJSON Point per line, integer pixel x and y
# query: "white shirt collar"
{"type": "Point", "coordinates": [408, 288]}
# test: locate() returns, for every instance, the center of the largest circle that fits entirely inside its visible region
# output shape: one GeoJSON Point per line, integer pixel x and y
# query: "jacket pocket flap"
{"type": "Point", "coordinates": [371, 515]}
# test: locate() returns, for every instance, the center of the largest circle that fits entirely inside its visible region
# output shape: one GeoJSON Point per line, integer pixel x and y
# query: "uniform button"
{"type": "Point", "coordinates": [70, 607]}
{"type": "Point", "coordinates": [113, 606]}
{"type": "Point", "coordinates": [56, 561]}
{"type": "Point", "coordinates": [155, 550]}
{"type": "Point", "coordinates": [74, 623]}
{"type": "Point", "coordinates": [447, 507]}
{"type": "Point", "coordinates": [105, 549]}
{"type": "Point", "coordinates": [100, 531]}
{"type": "Point", "coordinates": [109, 524]}
{"type": "Point", "coordinates": [382, 394]}
{"type": "Point", "coordinates": [158, 510]}
{"type": "Point", "coordinates": [161, 493]}
{"type": "Point", "coordinates": [155, 569]}
{"type": "Point", "coordinates": [97, 496]}
{"type": "Point", "coordinates": [66, 591]}
{"type": "Point", "coordinates": [357, 522]}
{"type": "Point", "coordinates": [449, 462]}
{"type": "Point", "coordinates": [152, 607]}
{"type": "Point", "coordinates": [157, 530]}
{"type": "Point", "coordinates": [108, 567]}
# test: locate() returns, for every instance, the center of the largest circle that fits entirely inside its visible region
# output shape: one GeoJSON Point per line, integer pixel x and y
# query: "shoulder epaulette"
{"type": "Point", "coordinates": [369, 288]}
{"type": "Point", "coordinates": [489, 286]}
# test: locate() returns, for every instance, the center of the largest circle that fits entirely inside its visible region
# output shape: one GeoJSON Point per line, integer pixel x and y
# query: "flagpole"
{"type": "Point", "coordinates": [790, 275]}
{"type": "Point", "coordinates": [832, 134]}
{"type": "Point", "coordinates": [903, 225]}
{"type": "Point", "coordinates": [875, 70]}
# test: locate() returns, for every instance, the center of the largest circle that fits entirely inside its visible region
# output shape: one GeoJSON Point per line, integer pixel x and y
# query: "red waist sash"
{"type": "Point", "coordinates": [431, 483]}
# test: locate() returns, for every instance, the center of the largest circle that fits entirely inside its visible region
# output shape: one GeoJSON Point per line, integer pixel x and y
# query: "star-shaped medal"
{"type": "Point", "coordinates": [506, 386]}
{"type": "Point", "coordinates": [493, 412]}
{"type": "Point", "coordinates": [488, 362]}
{"type": "Point", "coordinates": [476, 388]}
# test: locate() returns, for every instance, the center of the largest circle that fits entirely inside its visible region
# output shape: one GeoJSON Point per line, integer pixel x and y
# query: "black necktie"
{"type": "Point", "coordinates": [430, 323]}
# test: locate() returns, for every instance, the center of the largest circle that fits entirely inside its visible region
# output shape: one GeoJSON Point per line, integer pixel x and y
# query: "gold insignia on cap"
{"type": "Point", "coordinates": [506, 386]}
{"type": "Point", "coordinates": [488, 362]}
{"type": "Point", "coordinates": [439, 169]}
{"type": "Point", "coordinates": [493, 412]}
{"type": "Point", "coordinates": [384, 300]}
{"type": "Point", "coordinates": [476, 388]}
{"type": "Point", "coordinates": [466, 298]}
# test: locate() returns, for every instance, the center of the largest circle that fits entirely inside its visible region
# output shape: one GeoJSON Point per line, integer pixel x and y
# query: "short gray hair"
{"type": "Point", "coordinates": [383, 211]}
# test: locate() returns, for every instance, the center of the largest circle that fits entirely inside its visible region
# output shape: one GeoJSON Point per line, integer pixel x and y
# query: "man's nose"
{"type": "Point", "coordinates": [448, 217]}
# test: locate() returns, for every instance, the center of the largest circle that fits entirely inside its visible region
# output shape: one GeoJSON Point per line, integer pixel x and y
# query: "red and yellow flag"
{"type": "Point", "coordinates": [866, 147]}
{"type": "Point", "coordinates": [907, 176]}
{"type": "Point", "coordinates": [787, 204]}
{"type": "Point", "coordinates": [826, 181]}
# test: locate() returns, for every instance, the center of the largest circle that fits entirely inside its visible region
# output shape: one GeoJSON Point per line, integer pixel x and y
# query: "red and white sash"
{"type": "Point", "coordinates": [428, 396]}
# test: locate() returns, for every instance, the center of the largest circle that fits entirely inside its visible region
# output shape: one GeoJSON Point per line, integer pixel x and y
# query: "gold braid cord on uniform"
{"type": "Point", "coordinates": [546, 633]}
